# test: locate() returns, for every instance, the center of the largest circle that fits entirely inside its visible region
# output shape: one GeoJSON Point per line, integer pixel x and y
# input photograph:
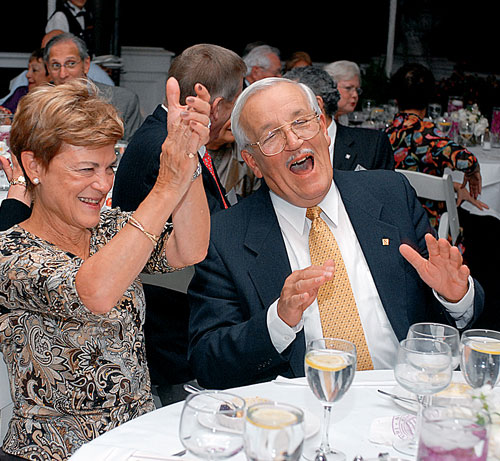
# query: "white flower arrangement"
{"type": "Point", "coordinates": [4, 149]}
{"type": "Point", "coordinates": [473, 115]}
{"type": "Point", "coordinates": [486, 404]}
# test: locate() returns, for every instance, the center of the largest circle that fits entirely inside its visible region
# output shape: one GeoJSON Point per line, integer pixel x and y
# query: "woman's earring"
{"type": "Point", "coordinates": [36, 181]}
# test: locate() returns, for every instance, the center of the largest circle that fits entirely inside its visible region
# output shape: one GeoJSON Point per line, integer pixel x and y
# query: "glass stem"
{"type": "Point", "coordinates": [325, 444]}
{"type": "Point", "coordinates": [420, 400]}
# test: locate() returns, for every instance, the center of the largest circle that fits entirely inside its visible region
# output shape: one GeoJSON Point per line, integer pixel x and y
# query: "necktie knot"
{"type": "Point", "coordinates": [313, 212]}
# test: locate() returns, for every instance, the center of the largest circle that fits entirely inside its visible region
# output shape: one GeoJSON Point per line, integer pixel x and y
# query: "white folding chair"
{"type": "Point", "coordinates": [437, 188]}
{"type": "Point", "coordinates": [6, 405]}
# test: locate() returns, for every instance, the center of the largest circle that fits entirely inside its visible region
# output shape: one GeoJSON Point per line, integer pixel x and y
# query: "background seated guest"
{"type": "Point", "coordinates": [66, 57]}
{"type": "Point", "coordinates": [262, 61]}
{"type": "Point", "coordinates": [421, 146]}
{"type": "Point", "coordinates": [347, 76]}
{"type": "Point", "coordinates": [16, 207]}
{"type": "Point", "coordinates": [261, 293]}
{"type": "Point", "coordinates": [351, 148]}
{"type": "Point", "coordinates": [298, 59]}
{"type": "Point", "coordinates": [68, 273]}
{"type": "Point", "coordinates": [36, 75]}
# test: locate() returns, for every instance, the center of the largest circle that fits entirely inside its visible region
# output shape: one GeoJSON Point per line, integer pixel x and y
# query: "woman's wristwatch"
{"type": "Point", "coordinates": [18, 181]}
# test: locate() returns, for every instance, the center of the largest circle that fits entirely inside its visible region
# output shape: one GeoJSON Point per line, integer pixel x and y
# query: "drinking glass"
{"type": "Point", "coordinates": [444, 124]}
{"type": "Point", "coordinates": [423, 367]}
{"type": "Point", "coordinates": [434, 111]}
{"type": "Point", "coordinates": [466, 131]}
{"type": "Point", "coordinates": [274, 432]}
{"type": "Point", "coordinates": [330, 365]}
{"type": "Point", "coordinates": [440, 332]}
{"type": "Point", "coordinates": [452, 433]}
{"type": "Point", "coordinates": [211, 425]}
{"type": "Point", "coordinates": [480, 359]}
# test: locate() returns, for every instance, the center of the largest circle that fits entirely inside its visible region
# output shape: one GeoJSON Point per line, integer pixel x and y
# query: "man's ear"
{"type": "Point", "coordinates": [31, 165]}
{"type": "Point", "coordinates": [215, 108]}
{"type": "Point", "coordinates": [250, 161]}
{"type": "Point", "coordinates": [86, 65]}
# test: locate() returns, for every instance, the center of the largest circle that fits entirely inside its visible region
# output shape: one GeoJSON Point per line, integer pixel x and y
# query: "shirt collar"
{"type": "Point", "coordinates": [74, 8]}
{"type": "Point", "coordinates": [296, 216]}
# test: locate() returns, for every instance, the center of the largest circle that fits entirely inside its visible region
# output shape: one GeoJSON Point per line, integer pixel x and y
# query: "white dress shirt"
{"type": "Point", "coordinates": [380, 337]}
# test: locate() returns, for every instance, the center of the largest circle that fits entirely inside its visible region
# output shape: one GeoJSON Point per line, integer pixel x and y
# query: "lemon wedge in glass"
{"type": "Point", "coordinates": [326, 362]}
{"type": "Point", "coordinates": [272, 418]}
{"type": "Point", "coordinates": [486, 347]}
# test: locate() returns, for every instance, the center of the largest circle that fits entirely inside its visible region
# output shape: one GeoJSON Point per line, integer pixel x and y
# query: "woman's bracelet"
{"type": "Point", "coordinates": [20, 181]}
{"type": "Point", "coordinates": [154, 238]}
{"type": "Point", "coordinates": [197, 172]}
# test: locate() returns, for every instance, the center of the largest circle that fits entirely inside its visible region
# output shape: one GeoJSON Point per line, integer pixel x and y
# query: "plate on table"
{"type": "Point", "coordinates": [312, 423]}
{"type": "Point", "coordinates": [455, 393]}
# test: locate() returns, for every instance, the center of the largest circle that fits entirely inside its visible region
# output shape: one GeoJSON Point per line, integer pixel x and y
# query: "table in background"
{"type": "Point", "coordinates": [158, 432]}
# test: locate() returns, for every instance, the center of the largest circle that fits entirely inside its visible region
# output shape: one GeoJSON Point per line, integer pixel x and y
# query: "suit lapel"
{"type": "Point", "coordinates": [344, 155]}
{"type": "Point", "coordinates": [380, 243]}
{"type": "Point", "coordinates": [268, 264]}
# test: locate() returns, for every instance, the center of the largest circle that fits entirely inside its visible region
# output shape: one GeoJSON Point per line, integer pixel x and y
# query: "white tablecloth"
{"type": "Point", "coordinates": [157, 432]}
{"type": "Point", "coordinates": [489, 162]}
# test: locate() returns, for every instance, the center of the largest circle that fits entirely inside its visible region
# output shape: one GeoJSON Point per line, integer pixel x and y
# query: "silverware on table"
{"type": "Point", "coordinates": [397, 397]}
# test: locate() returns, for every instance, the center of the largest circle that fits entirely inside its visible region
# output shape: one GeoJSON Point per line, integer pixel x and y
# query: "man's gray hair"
{"type": "Point", "coordinates": [239, 134]}
{"type": "Point", "coordinates": [259, 56]}
{"type": "Point", "coordinates": [66, 37]}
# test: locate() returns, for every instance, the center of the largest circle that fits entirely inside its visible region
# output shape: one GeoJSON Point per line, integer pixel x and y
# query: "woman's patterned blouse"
{"type": "Point", "coordinates": [420, 146]}
{"type": "Point", "coordinates": [73, 374]}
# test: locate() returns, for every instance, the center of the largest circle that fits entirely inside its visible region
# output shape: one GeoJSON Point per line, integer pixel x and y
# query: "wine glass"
{"type": "Point", "coordinates": [211, 425]}
{"type": "Point", "coordinates": [440, 332]}
{"type": "Point", "coordinates": [434, 111]}
{"type": "Point", "coordinates": [480, 360]}
{"type": "Point", "coordinates": [466, 130]}
{"type": "Point", "coordinates": [330, 365]}
{"type": "Point", "coordinates": [274, 432]}
{"type": "Point", "coordinates": [423, 367]}
{"type": "Point", "coordinates": [444, 124]}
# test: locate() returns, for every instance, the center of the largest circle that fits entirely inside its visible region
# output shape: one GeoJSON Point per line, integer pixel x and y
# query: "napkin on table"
{"type": "Point", "coordinates": [385, 430]}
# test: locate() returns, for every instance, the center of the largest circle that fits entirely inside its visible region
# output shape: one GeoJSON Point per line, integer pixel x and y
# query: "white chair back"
{"type": "Point", "coordinates": [437, 188]}
{"type": "Point", "coordinates": [6, 405]}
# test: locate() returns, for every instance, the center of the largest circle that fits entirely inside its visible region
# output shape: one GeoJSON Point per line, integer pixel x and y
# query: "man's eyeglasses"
{"type": "Point", "coordinates": [350, 89]}
{"type": "Point", "coordinates": [56, 66]}
{"type": "Point", "coordinates": [274, 142]}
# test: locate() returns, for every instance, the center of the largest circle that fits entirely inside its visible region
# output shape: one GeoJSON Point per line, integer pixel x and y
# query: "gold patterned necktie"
{"type": "Point", "coordinates": [337, 306]}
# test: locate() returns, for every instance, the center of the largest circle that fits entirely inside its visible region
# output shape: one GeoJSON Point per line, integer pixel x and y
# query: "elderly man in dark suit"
{"type": "Point", "coordinates": [352, 148]}
{"type": "Point", "coordinates": [254, 299]}
{"type": "Point", "coordinates": [221, 71]}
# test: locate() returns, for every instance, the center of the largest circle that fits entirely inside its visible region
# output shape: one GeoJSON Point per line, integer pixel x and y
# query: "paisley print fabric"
{"type": "Point", "coordinates": [420, 146]}
{"type": "Point", "coordinates": [73, 374]}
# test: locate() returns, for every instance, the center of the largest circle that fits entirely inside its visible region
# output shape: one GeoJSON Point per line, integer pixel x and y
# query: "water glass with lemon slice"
{"type": "Point", "coordinates": [480, 358]}
{"type": "Point", "coordinates": [330, 365]}
{"type": "Point", "coordinates": [274, 432]}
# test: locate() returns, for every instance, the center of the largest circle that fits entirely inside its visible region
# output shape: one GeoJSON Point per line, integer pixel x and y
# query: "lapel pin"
{"type": "Point", "coordinates": [385, 241]}
{"type": "Point", "coordinates": [347, 156]}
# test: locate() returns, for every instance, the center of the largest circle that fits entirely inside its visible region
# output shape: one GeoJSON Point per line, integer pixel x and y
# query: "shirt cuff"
{"type": "Point", "coordinates": [463, 310]}
{"type": "Point", "coordinates": [282, 335]}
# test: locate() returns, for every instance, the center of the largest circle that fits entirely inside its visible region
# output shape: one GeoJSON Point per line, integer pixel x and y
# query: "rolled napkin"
{"type": "Point", "coordinates": [385, 430]}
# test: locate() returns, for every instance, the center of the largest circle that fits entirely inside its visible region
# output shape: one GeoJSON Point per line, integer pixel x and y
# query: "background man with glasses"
{"type": "Point", "coordinates": [66, 57]}
{"type": "Point", "coordinates": [253, 299]}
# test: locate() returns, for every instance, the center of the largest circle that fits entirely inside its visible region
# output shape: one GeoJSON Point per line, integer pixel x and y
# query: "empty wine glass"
{"type": "Point", "coordinates": [434, 111]}
{"type": "Point", "coordinates": [423, 367]}
{"type": "Point", "coordinates": [274, 432]}
{"type": "Point", "coordinates": [330, 365]}
{"type": "Point", "coordinates": [480, 359]}
{"type": "Point", "coordinates": [212, 423]}
{"type": "Point", "coordinates": [440, 332]}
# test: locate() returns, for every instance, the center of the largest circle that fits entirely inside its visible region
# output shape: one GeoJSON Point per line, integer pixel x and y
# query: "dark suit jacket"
{"type": "Point", "coordinates": [247, 265]}
{"type": "Point", "coordinates": [13, 211]}
{"type": "Point", "coordinates": [370, 149]}
{"type": "Point", "coordinates": [167, 310]}
{"type": "Point", "coordinates": [139, 166]}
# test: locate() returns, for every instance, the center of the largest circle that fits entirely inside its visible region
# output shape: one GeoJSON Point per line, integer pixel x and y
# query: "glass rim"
{"type": "Point", "coordinates": [210, 394]}
{"type": "Point", "coordinates": [340, 340]}
{"type": "Point", "coordinates": [454, 331]}
{"type": "Point", "coordinates": [447, 348]}
{"type": "Point", "coordinates": [274, 404]}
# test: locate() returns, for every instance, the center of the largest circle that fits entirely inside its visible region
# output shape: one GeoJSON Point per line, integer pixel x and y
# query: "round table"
{"type": "Point", "coordinates": [155, 435]}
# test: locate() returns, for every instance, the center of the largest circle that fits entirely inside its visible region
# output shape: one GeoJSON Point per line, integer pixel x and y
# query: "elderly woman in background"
{"type": "Point", "coordinates": [347, 76]}
{"type": "Point", "coordinates": [71, 304]}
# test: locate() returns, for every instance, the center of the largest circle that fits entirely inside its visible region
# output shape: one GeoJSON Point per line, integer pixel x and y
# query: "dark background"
{"type": "Point", "coordinates": [328, 31]}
